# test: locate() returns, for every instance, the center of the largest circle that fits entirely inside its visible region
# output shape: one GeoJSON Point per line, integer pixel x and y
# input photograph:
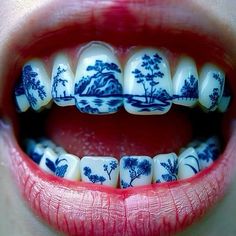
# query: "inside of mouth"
{"type": "Point", "coordinates": [127, 137]}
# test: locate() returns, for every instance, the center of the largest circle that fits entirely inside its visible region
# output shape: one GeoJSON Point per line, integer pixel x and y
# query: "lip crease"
{"type": "Point", "coordinates": [85, 209]}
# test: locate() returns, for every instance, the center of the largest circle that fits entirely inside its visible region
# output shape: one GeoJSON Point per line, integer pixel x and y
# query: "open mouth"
{"type": "Point", "coordinates": [125, 125]}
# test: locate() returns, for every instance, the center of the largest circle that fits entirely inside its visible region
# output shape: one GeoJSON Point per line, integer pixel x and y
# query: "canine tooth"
{"type": "Point", "coordinates": [185, 83]}
{"type": "Point", "coordinates": [48, 161]}
{"type": "Point", "coordinates": [211, 86]}
{"type": "Point", "coordinates": [147, 83]}
{"type": "Point", "coordinates": [62, 82]}
{"type": "Point", "coordinates": [208, 152]}
{"type": "Point", "coordinates": [22, 102]}
{"type": "Point", "coordinates": [36, 84]}
{"type": "Point", "coordinates": [68, 166]}
{"type": "Point", "coordinates": [98, 80]}
{"type": "Point", "coordinates": [100, 170]}
{"type": "Point", "coordinates": [165, 168]}
{"type": "Point", "coordinates": [188, 163]}
{"type": "Point", "coordinates": [135, 171]}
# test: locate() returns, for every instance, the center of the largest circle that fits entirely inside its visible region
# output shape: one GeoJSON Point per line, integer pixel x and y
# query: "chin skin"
{"type": "Point", "coordinates": [16, 217]}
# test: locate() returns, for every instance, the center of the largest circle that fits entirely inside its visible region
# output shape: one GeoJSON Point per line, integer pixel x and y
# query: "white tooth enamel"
{"type": "Point", "coordinates": [211, 86]}
{"type": "Point", "coordinates": [188, 163]}
{"type": "Point", "coordinates": [100, 170]}
{"type": "Point", "coordinates": [185, 83]}
{"type": "Point", "coordinates": [36, 153]}
{"type": "Point", "coordinates": [62, 82]}
{"type": "Point", "coordinates": [22, 102]}
{"type": "Point", "coordinates": [225, 100]}
{"type": "Point", "coordinates": [59, 150]}
{"type": "Point", "coordinates": [36, 84]}
{"type": "Point", "coordinates": [47, 143]}
{"type": "Point", "coordinates": [68, 167]}
{"type": "Point", "coordinates": [147, 83]}
{"type": "Point", "coordinates": [48, 161]}
{"type": "Point", "coordinates": [98, 80]}
{"type": "Point", "coordinates": [165, 168]}
{"type": "Point", "coordinates": [135, 171]}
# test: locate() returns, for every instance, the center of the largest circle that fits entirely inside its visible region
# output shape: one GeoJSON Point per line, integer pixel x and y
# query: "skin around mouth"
{"type": "Point", "coordinates": [80, 209]}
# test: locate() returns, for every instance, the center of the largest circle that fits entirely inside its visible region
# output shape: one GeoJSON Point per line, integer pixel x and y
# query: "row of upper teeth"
{"type": "Point", "coordinates": [131, 170]}
{"type": "Point", "coordinates": [101, 86]}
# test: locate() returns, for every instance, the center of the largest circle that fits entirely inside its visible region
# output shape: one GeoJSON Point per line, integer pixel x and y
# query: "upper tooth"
{"type": "Point", "coordinates": [188, 163]}
{"type": "Point", "coordinates": [185, 83]}
{"type": "Point", "coordinates": [62, 83]}
{"type": "Point", "coordinates": [211, 86]}
{"type": "Point", "coordinates": [135, 171]}
{"type": "Point", "coordinates": [165, 168]}
{"type": "Point", "coordinates": [36, 84]}
{"type": "Point", "coordinates": [100, 170]}
{"type": "Point", "coordinates": [68, 166]}
{"type": "Point", "coordinates": [22, 102]}
{"type": "Point", "coordinates": [147, 83]}
{"type": "Point", "coordinates": [225, 100]}
{"type": "Point", "coordinates": [98, 81]}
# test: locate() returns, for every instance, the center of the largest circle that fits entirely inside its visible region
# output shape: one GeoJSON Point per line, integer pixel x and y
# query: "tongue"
{"type": "Point", "coordinates": [117, 134]}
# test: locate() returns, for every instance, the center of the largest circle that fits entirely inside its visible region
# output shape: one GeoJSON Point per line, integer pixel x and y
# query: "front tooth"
{"type": "Point", "coordinates": [36, 84]}
{"type": "Point", "coordinates": [188, 163]}
{"type": "Point", "coordinates": [100, 170]}
{"type": "Point", "coordinates": [211, 86]}
{"type": "Point", "coordinates": [135, 171]}
{"type": "Point", "coordinates": [48, 161]}
{"type": "Point", "coordinates": [98, 80]}
{"type": "Point", "coordinates": [22, 102]}
{"type": "Point", "coordinates": [208, 152]}
{"type": "Point", "coordinates": [147, 83]}
{"type": "Point", "coordinates": [68, 166]}
{"type": "Point", "coordinates": [165, 168]}
{"type": "Point", "coordinates": [185, 83]}
{"type": "Point", "coordinates": [62, 83]}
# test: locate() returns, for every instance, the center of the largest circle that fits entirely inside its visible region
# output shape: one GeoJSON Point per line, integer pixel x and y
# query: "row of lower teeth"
{"type": "Point", "coordinates": [131, 170]}
{"type": "Point", "coordinates": [101, 86]}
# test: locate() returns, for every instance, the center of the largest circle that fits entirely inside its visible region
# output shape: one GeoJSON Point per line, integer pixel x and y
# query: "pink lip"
{"type": "Point", "coordinates": [84, 209]}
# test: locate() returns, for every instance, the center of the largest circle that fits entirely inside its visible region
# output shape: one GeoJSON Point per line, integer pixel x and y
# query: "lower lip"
{"type": "Point", "coordinates": [157, 209]}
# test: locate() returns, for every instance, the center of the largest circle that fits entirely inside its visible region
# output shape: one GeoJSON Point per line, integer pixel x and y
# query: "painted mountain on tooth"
{"type": "Point", "coordinates": [99, 85]}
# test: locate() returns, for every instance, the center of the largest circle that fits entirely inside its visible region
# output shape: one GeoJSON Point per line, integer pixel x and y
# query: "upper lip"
{"type": "Point", "coordinates": [150, 210]}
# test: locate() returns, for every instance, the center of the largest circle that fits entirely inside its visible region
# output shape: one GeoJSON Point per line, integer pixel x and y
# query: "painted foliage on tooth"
{"type": "Point", "coordinates": [62, 82]}
{"type": "Point", "coordinates": [48, 161]}
{"type": "Point", "coordinates": [22, 103]}
{"type": "Point", "coordinates": [135, 171]}
{"type": "Point", "coordinates": [147, 83]}
{"type": "Point", "coordinates": [211, 86]}
{"type": "Point", "coordinates": [185, 83]}
{"type": "Point", "coordinates": [100, 170]}
{"type": "Point", "coordinates": [36, 84]}
{"type": "Point", "coordinates": [188, 163]}
{"type": "Point", "coordinates": [225, 100]}
{"type": "Point", "coordinates": [98, 80]}
{"type": "Point", "coordinates": [165, 168]}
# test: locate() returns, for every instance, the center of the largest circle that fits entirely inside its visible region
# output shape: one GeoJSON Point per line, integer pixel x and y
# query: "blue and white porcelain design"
{"type": "Point", "coordinates": [211, 86]}
{"type": "Point", "coordinates": [98, 80]}
{"type": "Point", "coordinates": [34, 150]}
{"type": "Point", "coordinates": [36, 84]}
{"type": "Point", "coordinates": [226, 98]}
{"type": "Point", "coordinates": [100, 170]}
{"type": "Point", "coordinates": [165, 168]}
{"type": "Point", "coordinates": [208, 152]}
{"type": "Point", "coordinates": [185, 83]}
{"type": "Point", "coordinates": [49, 161]}
{"type": "Point", "coordinates": [147, 83]}
{"type": "Point", "coordinates": [62, 82]}
{"type": "Point", "coordinates": [22, 103]}
{"type": "Point", "coordinates": [135, 171]}
{"type": "Point", "coordinates": [188, 163]}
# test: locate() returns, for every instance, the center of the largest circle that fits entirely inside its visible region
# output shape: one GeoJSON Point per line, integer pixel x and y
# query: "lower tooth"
{"type": "Point", "coordinates": [165, 168]}
{"type": "Point", "coordinates": [68, 166]}
{"type": "Point", "coordinates": [135, 171]}
{"type": "Point", "coordinates": [48, 161]}
{"type": "Point", "coordinates": [100, 170]}
{"type": "Point", "coordinates": [37, 153]}
{"type": "Point", "coordinates": [188, 163]}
